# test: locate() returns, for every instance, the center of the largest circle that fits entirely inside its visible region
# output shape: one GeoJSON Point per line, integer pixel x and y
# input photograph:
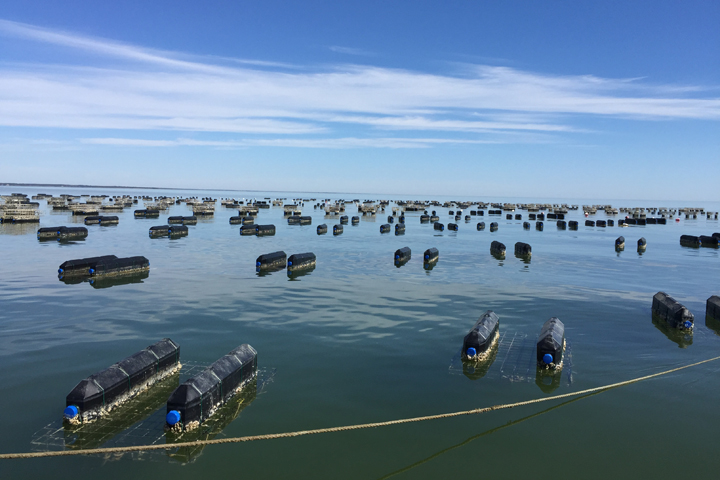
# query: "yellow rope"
{"type": "Point", "coordinates": [272, 436]}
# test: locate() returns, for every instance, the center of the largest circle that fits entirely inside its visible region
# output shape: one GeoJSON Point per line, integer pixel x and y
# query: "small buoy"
{"type": "Point", "coordinates": [547, 358]}
{"type": "Point", "coordinates": [70, 411]}
{"type": "Point", "coordinates": [471, 352]}
{"type": "Point", "coordinates": [687, 324]}
{"type": "Point", "coordinates": [172, 417]}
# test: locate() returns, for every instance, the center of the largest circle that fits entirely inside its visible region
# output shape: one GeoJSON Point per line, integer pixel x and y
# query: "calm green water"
{"type": "Point", "coordinates": [359, 340]}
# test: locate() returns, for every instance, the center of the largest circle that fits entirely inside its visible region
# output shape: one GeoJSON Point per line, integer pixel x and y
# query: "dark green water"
{"type": "Point", "coordinates": [359, 340]}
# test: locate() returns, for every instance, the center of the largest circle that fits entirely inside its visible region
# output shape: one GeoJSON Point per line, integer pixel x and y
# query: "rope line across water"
{"type": "Point", "coordinates": [272, 436]}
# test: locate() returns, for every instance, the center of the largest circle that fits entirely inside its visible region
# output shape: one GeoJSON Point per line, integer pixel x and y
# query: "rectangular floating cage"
{"type": "Point", "coordinates": [102, 391]}
{"type": "Point", "coordinates": [480, 337]}
{"type": "Point", "coordinates": [198, 398]}
{"type": "Point", "coordinates": [301, 261]}
{"type": "Point", "coordinates": [120, 266]}
{"type": "Point", "coordinates": [271, 260]}
{"type": "Point", "coordinates": [550, 344]}
{"type": "Point", "coordinates": [672, 312]}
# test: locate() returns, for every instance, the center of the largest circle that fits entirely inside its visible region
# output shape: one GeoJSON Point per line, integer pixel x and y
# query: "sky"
{"type": "Point", "coordinates": [561, 99]}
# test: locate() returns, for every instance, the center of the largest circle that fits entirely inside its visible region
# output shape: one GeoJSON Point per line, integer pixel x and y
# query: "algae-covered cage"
{"type": "Point", "coordinates": [71, 233]}
{"type": "Point", "coordinates": [81, 266]}
{"type": "Point", "coordinates": [523, 249]}
{"type": "Point", "coordinates": [120, 266]}
{"type": "Point", "coordinates": [104, 390]}
{"type": "Point", "coordinates": [402, 254]}
{"type": "Point", "coordinates": [198, 398]}
{"type": "Point", "coordinates": [551, 343]}
{"type": "Point", "coordinates": [263, 230]}
{"type": "Point", "coordinates": [431, 255]}
{"type": "Point", "coordinates": [271, 260]}
{"type": "Point", "coordinates": [301, 261]}
{"type": "Point", "coordinates": [672, 312]}
{"type": "Point", "coordinates": [248, 230]}
{"type": "Point", "coordinates": [497, 248]}
{"type": "Point", "coordinates": [48, 233]}
{"type": "Point", "coordinates": [481, 336]}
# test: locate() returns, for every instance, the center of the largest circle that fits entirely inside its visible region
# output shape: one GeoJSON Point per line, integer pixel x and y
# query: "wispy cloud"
{"type": "Point", "coordinates": [347, 142]}
{"type": "Point", "coordinates": [345, 104]}
{"type": "Point", "coordinates": [350, 51]}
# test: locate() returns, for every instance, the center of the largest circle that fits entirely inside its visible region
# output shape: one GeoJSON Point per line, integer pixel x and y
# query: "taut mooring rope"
{"type": "Point", "coordinates": [272, 436]}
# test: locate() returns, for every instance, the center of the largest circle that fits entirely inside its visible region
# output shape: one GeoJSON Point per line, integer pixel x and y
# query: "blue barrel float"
{"type": "Point", "coordinates": [198, 398]}
{"type": "Point", "coordinates": [101, 392]}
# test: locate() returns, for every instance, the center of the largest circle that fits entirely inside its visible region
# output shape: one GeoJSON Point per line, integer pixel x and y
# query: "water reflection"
{"type": "Point", "coordinates": [477, 370]}
{"type": "Point", "coordinates": [683, 338]}
{"type": "Point", "coordinates": [105, 281]}
{"type": "Point", "coordinates": [268, 270]}
{"type": "Point", "coordinates": [18, 228]}
{"type": "Point", "coordinates": [548, 380]}
{"type": "Point", "coordinates": [713, 324]}
{"type": "Point", "coordinates": [294, 275]}
{"type": "Point", "coordinates": [213, 426]}
{"type": "Point", "coordinates": [401, 261]}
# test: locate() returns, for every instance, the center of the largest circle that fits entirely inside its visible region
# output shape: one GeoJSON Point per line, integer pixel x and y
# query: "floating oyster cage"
{"type": "Point", "coordinates": [514, 360]}
{"type": "Point", "coordinates": [142, 420]}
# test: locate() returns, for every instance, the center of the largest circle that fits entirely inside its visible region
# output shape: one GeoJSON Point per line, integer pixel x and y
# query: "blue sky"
{"type": "Point", "coordinates": [538, 98]}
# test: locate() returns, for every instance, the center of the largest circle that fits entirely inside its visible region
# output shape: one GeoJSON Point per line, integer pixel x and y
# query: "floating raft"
{"type": "Point", "coordinates": [198, 399]}
{"type": "Point", "coordinates": [99, 393]}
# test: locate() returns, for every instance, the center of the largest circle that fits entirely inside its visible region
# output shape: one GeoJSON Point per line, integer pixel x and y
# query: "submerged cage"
{"type": "Point", "coordinates": [102, 391]}
{"type": "Point", "coordinates": [199, 397]}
